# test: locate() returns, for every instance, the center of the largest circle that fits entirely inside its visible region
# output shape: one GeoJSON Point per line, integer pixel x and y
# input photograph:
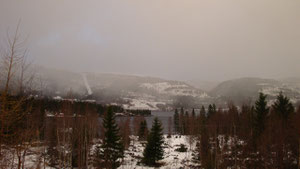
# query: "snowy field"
{"type": "Point", "coordinates": [172, 159]}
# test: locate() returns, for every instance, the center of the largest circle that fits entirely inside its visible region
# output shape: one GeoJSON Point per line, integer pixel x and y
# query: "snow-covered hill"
{"type": "Point", "coordinates": [179, 89]}
{"type": "Point", "coordinates": [133, 92]}
{"type": "Point", "coordinates": [140, 92]}
{"type": "Point", "coordinates": [239, 90]}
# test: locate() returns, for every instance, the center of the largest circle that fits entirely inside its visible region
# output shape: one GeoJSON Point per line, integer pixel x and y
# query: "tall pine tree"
{"type": "Point", "coordinates": [181, 121]}
{"type": "Point", "coordinates": [186, 129]}
{"type": "Point", "coordinates": [111, 151]}
{"type": "Point", "coordinates": [261, 111]}
{"type": "Point", "coordinates": [154, 151]}
{"type": "Point", "coordinates": [176, 122]}
{"type": "Point", "coordinates": [211, 110]}
{"type": "Point", "coordinates": [193, 113]}
{"type": "Point", "coordinates": [283, 107]}
{"type": "Point", "coordinates": [202, 112]}
{"type": "Point", "coordinates": [285, 140]}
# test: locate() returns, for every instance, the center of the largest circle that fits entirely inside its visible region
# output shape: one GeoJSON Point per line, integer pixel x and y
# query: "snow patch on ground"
{"type": "Point", "coordinates": [161, 87]}
{"type": "Point", "coordinates": [88, 88]}
{"type": "Point", "coordinates": [135, 104]}
{"type": "Point", "coordinates": [172, 159]}
{"type": "Point", "coordinates": [271, 91]}
{"type": "Point", "coordinates": [174, 89]}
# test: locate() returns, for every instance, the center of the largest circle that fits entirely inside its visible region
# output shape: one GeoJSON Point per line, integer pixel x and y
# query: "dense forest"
{"type": "Point", "coordinates": [66, 134]}
{"type": "Point", "coordinates": [252, 136]}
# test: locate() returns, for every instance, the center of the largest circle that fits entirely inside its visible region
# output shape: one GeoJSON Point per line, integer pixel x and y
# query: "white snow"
{"type": "Point", "coordinates": [174, 89]}
{"type": "Point", "coordinates": [271, 91]}
{"type": "Point", "coordinates": [161, 87]}
{"type": "Point", "coordinates": [172, 159]}
{"type": "Point", "coordinates": [49, 114]}
{"type": "Point", "coordinates": [141, 104]}
{"type": "Point", "coordinates": [88, 88]}
{"type": "Point", "coordinates": [57, 98]}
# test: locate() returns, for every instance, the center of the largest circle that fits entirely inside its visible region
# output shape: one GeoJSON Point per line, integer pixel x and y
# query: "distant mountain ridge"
{"type": "Point", "coordinates": [156, 93]}
{"type": "Point", "coordinates": [243, 89]}
{"type": "Point", "coordinates": [129, 90]}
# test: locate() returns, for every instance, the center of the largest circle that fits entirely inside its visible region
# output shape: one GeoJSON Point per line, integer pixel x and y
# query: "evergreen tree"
{"type": "Point", "coordinates": [109, 154]}
{"type": "Point", "coordinates": [193, 122]}
{"type": "Point", "coordinates": [203, 153]}
{"type": "Point", "coordinates": [186, 129]}
{"type": "Point", "coordinates": [176, 121]}
{"type": "Point", "coordinates": [261, 111]}
{"type": "Point", "coordinates": [143, 130]}
{"type": "Point", "coordinates": [98, 161]}
{"type": "Point", "coordinates": [211, 110]}
{"type": "Point", "coordinates": [285, 141]}
{"type": "Point", "coordinates": [154, 151]}
{"type": "Point", "coordinates": [193, 113]}
{"type": "Point", "coordinates": [214, 108]}
{"type": "Point", "coordinates": [202, 119]}
{"type": "Point", "coordinates": [202, 112]}
{"type": "Point", "coordinates": [283, 107]}
{"type": "Point", "coordinates": [182, 121]}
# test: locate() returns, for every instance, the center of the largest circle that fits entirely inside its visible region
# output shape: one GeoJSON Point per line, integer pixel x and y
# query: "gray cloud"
{"type": "Point", "coordinates": [175, 39]}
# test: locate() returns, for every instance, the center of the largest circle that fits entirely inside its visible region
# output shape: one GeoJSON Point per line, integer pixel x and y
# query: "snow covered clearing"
{"type": "Point", "coordinates": [174, 89]}
{"type": "Point", "coordinates": [172, 159]}
{"type": "Point", "coordinates": [88, 88]}
{"type": "Point", "coordinates": [142, 104]}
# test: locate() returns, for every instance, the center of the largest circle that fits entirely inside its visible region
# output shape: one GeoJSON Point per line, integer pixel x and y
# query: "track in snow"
{"type": "Point", "coordinates": [88, 88]}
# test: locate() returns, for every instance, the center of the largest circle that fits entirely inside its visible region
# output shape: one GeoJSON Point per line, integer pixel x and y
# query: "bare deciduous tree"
{"type": "Point", "coordinates": [15, 129]}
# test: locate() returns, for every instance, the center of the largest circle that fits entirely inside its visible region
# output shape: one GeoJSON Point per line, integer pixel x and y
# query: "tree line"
{"type": "Point", "coordinates": [252, 136]}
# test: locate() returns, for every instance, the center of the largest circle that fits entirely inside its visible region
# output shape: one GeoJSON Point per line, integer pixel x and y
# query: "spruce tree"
{"type": "Point", "coordinates": [181, 121]}
{"type": "Point", "coordinates": [193, 113]}
{"type": "Point", "coordinates": [143, 130]}
{"type": "Point", "coordinates": [261, 111]}
{"type": "Point", "coordinates": [283, 107]}
{"type": "Point", "coordinates": [202, 112]}
{"type": "Point", "coordinates": [153, 151]}
{"type": "Point", "coordinates": [111, 151]}
{"type": "Point", "coordinates": [286, 140]}
{"type": "Point", "coordinates": [202, 119]}
{"type": "Point", "coordinates": [186, 128]}
{"type": "Point", "coordinates": [211, 110]}
{"type": "Point", "coordinates": [192, 121]}
{"type": "Point", "coordinates": [176, 121]}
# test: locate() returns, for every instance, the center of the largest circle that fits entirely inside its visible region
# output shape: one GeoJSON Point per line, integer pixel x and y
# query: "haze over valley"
{"type": "Point", "coordinates": [142, 92]}
{"type": "Point", "coordinates": [144, 84]}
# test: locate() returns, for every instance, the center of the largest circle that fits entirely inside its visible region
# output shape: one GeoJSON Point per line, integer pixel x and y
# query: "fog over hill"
{"type": "Point", "coordinates": [133, 92]}
{"type": "Point", "coordinates": [149, 84]}
{"type": "Point", "coordinates": [141, 92]}
{"type": "Point", "coordinates": [247, 89]}
{"type": "Point", "coordinates": [175, 39]}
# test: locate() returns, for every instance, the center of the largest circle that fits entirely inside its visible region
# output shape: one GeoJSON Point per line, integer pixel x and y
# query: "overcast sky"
{"type": "Point", "coordinates": [175, 39]}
